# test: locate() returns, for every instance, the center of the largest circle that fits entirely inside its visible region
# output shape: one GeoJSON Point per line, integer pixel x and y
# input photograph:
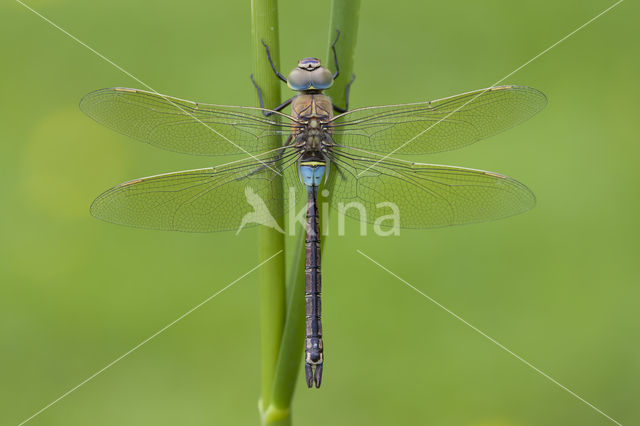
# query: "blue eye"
{"type": "Point", "coordinates": [321, 78]}
{"type": "Point", "coordinates": [301, 79]}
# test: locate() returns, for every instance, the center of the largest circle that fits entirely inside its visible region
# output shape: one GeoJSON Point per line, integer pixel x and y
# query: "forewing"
{"type": "Point", "coordinates": [426, 195]}
{"type": "Point", "coordinates": [184, 126]}
{"type": "Point", "coordinates": [441, 125]}
{"type": "Point", "coordinates": [221, 198]}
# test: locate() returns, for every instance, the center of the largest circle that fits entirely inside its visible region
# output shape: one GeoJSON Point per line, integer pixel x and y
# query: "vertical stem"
{"type": "Point", "coordinates": [281, 363]}
{"type": "Point", "coordinates": [344, 17]}
{"type": "Point", "coordinates": [290, 359]}
{"type": "Point", "coordinates": [264, 25]}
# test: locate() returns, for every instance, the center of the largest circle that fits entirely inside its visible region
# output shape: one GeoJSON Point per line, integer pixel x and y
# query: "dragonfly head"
{"type": "Point", "coordinates": [310, 75]}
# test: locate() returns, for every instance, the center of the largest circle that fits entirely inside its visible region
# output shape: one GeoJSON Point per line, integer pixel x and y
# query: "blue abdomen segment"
{"type": "Point", "coordinates": [311, 173]}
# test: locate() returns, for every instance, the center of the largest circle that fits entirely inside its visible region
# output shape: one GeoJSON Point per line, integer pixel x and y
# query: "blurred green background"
{"type": "Point", "coordinates": [557, 285]}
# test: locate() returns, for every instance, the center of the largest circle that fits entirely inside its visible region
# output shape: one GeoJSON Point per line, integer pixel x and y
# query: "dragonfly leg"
{"type": "Point", "coordinates": [274, 160]}
{"type": "Point", "coordinates": [273, 67]}
{"type": "Point", "coordinates": [335, 55]}
{"type": "Point", "coordinates": [347, 89]}
{"type": "Point", "coordinates": [278, 108]}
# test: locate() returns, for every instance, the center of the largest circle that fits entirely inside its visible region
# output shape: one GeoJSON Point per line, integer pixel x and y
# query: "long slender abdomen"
{"type": "Point", "coordinates": [313, 341]}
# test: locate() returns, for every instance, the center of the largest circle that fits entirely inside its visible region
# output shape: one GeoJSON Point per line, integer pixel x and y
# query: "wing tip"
{"type": "Point", "coordinates": [528, 89]}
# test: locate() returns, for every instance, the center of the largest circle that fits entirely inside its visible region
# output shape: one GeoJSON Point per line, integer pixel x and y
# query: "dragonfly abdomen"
{"type": "Point", "coordinates": [311, 173]}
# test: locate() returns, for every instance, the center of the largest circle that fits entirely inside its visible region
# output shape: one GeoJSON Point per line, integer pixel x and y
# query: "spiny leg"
{"type": "Point", "coordinates": [278, 108]}
{"type": "Point", "coordinates": [280, 76]}
{"type": "Point", "coordinates": [335, 55]}
{"type": "Point", "coordinates": [337, 73]}
{"type": "Point", "coordinates": [274, 160]}
{"type": "Point", "coordinates": [273, 67]}
{"type": "Point", "coordinates": [347, 89]}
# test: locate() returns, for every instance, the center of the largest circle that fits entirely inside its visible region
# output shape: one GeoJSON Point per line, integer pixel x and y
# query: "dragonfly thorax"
{"type": "Point", "coordinates": [312, 135]}
{"type": "Point", "coordinates": [312, 109]}
{"type": "Point", "coordinates": [316, 140]}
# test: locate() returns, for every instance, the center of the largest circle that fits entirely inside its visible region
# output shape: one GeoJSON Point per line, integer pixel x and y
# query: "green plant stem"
{"type": "Point", "coordinates": [344, 17]}
{"type": "Point", "coordinates": [264, 25]}
{"type": "Point", "coordinates": [282, 342]}
{"type": "Point", "coordinates": [279, 411]}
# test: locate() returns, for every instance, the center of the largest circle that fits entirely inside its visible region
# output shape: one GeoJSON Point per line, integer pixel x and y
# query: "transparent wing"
{"type": "Point", "coordinates": [184, 126]}
{"type": "Point", "coordinates": [441, 125]}
{"type": "Point", "coordinates": [426, 195]}
{"type": "Point", "coordinates": [228, 197]}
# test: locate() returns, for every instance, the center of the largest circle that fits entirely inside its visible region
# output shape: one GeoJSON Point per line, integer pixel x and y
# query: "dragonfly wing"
{"type": "Point", "coordinates": [228, 197]}
{"type": "Point", "coordinates": [441, 125]}
{"type": "Point", "coordinates": [425, 195]}
{"type": "Point", "coordinates": [184, 126]}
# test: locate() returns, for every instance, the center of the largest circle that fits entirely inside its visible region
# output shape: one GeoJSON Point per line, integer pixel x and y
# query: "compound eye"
{"type": "Point", "coordinates": [321, 78]}
{"type": "Point", "coordinates": [299, 79]}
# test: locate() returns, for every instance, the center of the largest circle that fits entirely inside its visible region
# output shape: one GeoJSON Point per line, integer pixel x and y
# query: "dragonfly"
{"type": "Point", "coordinates": [347, 151]}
